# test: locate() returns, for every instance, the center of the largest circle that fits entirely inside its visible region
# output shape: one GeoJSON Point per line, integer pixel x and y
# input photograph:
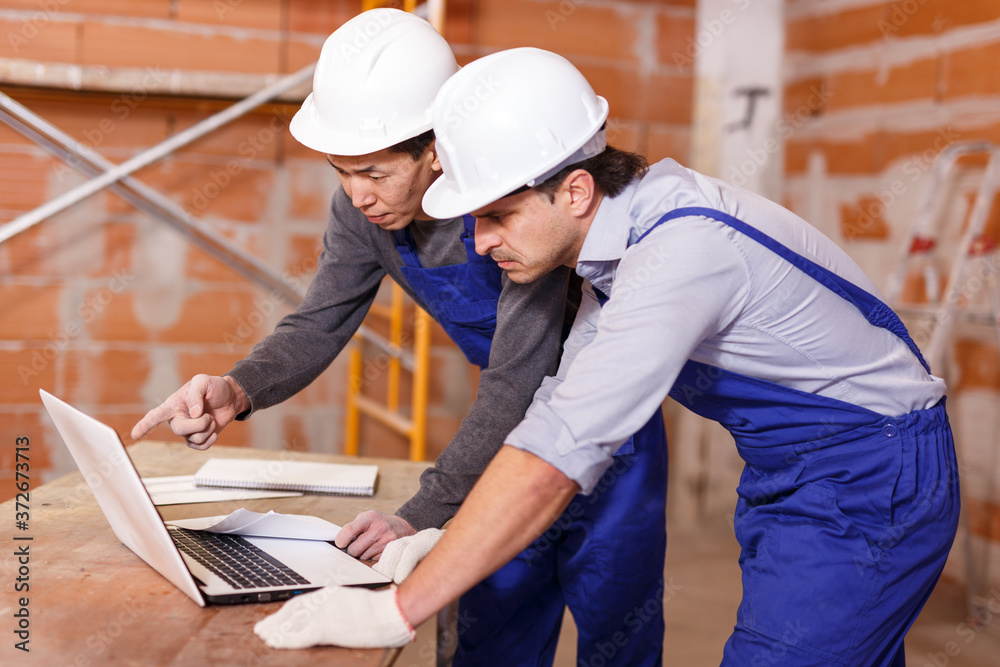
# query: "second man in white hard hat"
{"type": "Point", "coordinates": [370, 113]}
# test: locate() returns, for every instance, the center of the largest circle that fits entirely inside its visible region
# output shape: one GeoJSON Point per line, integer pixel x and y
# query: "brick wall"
{"type": "Point", "coordinates": [875, 91]}
{"type": "Point", "coordinates": [112, 310]}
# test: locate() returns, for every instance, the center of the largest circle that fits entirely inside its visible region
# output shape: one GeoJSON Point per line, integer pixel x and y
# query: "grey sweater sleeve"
{"type": "Point", "coordinates": [525, 349]}
{"type": "Point", "coordinates": [356, 255]}
{"type": "Point", "coordinates": [305, 342]}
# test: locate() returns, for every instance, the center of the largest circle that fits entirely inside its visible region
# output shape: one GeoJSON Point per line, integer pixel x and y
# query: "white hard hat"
{"type": "Point", "coordinates": [507, 120]}
{"type": "Point", "coordinates": [374, 84]}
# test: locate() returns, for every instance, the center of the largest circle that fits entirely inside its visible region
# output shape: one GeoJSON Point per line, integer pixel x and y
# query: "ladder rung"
{"type": "Point", "coordinates": [380, 413]}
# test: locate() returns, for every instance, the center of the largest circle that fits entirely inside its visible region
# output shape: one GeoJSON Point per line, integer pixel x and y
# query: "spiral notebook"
{"type": "Point", "coordinates": [307, 476]}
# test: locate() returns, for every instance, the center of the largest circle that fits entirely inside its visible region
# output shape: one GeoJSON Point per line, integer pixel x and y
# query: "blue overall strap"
{"type": "Point", "coordinates": [876, 312]}
{"type": "Point", "coordinates": [462, 297]}
{"type": "Point", "coordinates": [406, 247]}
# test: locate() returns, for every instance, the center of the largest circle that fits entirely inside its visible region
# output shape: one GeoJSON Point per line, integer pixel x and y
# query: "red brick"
{"type": "Point", "coordinates": [303, 252]}
{"type": "Point", "coordinates": [329, 389]}
{"type": "Point", "coordinates": [262, 14]}
{"type": "Point", "coordinates": [979, 365]}
{"type": "Point", "coordinates": [121, 45]}
{"type": "Point", "coordinates": [906, 18]}
{"type": "Point", "coordinates": [39, 37]}
{"type": "Point", "coordinates": [566, 28]}
{"type": "Point", "coordinates": [231, 189]}
{"type": "Point", "coordinates": [255, 136]}
{"type": "Point", "coordinates": [110, 316]}
{"type": "Point", "coordinates": [627, 135]}
{"type": "Point", "coordinates": [675, 40]}
{"type": "Point", "coordinates": [379, 440]}
{"type": "Point", "coordinates": [135, 8]}
{"type": "Point", "coordinates": [30, 312]}
{"type": "Point", "coordinates": [212, 316]}
{"type": "Point", "coordinates": [915, 81]}
{"type": "Point", "coordinates": [864, 220]}
{"type": "Point", "coordinates": [23, 182]}
{"type": "Point", "coordinates": [298, 54]}
{"type": "Point", "coordinates": [804, 99]}
{"type": "Point", "coordinates": [104, 377]}
{"type": "Point", "coordinates": [873, 153]}
{"type": "Point", "coordinates": [28, 370]}
{"type": "Point", "coordinates": [848, 157]}
{"type": "Point", "coordinates": [830, 32]}
{"type": "Point", "coordinates": [321, 16]}
{"type": "Point", "coordinates": [971, 72]}
{"type": "Point", "coordinates": [983, 517]}
{"type": "Point", "coordinates": [458, 21]}
{"type": "Point", "coordinates": [667, 142]}
{"type": "Point", "coordinates": [312, 184]}
{"type": "Point", "coordinates": [294, 434]}
{"type": "Point", "coordinates": [661, 98]}
{"type": "Point", "coordinates": [129, 120]}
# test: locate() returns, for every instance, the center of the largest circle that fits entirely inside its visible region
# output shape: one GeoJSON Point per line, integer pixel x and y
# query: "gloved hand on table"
{"type": "Point", "coordinates": [400, 556]}
{"type": "Point", "coordinates": [349, 617]}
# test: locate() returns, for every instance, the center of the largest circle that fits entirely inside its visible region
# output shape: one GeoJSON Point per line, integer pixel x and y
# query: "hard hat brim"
{"type": "Point", "coordinates": [310, 133]}
{"type": "Point", "coordinates": [444, 199]}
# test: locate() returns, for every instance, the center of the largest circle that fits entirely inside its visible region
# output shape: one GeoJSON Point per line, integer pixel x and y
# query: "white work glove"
{"type": "Point", "coordinates": [349, 617]}
{"type": "Point", "coordinates": [400, 556]}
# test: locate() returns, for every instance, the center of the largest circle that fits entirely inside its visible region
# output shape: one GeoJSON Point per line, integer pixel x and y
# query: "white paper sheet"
{"type": "Point", "coordinates": [181, 490]}
{"type": "Point", "coordinates": [272, 524]}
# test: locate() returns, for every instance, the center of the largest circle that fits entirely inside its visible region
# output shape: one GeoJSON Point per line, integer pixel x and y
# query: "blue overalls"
{"type": "Point", "coordinates": [845, 517]}
{"type": "Point", "coordinates": [603, 557]}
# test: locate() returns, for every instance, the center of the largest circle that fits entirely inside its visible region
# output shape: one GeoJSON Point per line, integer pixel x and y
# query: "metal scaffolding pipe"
{"type": "Point", "coordinates": [161, 207]}
{"type": "Point", "coordinates": [148, 156]}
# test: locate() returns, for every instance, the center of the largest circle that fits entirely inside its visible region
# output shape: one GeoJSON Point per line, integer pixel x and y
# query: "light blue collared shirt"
{"type": "Point", "coordinates": [696, 288]}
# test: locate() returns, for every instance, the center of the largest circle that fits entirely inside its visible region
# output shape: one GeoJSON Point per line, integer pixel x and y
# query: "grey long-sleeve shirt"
{"type": "Point", "coordinates": [356, 256]}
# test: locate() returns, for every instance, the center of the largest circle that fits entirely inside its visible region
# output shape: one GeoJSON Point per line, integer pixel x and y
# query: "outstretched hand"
{"type": "Point", "coordinates": [198, 411]}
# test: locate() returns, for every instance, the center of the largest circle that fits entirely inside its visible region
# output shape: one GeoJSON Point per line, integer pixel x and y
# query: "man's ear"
{"type": "Point", "coordinates": [435, 162]}
{"type": "Point", "coordinates": [581, 191]}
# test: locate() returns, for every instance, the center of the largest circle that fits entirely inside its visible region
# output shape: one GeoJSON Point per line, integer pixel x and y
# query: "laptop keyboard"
{"type": "Point", "coordinates": [238, 562]}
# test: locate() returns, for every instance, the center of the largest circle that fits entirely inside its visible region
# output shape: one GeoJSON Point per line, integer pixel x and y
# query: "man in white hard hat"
{"type": "Point", "coordinates": [370, 113]}
{"type": "Point", "coordinates": [739, 310]}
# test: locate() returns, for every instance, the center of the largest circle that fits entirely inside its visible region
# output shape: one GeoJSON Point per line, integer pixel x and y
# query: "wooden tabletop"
{"type": "Point", "coordinates": [91, 601]}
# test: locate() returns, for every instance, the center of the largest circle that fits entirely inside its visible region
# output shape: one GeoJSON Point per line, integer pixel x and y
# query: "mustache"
{"type": "Point", "coordinates": [499, 256]}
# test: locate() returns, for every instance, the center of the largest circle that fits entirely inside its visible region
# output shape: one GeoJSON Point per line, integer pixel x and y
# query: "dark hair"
{"type": "Point", "coordinates": [415, 146]}
{"type": "Point", "coordinates": [612, 169]}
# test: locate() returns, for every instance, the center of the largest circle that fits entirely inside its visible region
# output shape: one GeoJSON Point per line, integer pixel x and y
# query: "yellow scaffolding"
{"type": "Point", "coordinates": [413, 427]}
{"type": "Point", "coordinates": [416, 360]}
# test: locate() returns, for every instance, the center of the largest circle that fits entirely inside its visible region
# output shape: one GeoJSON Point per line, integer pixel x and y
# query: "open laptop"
{"type": "Point", "coordinates": [288, 566]}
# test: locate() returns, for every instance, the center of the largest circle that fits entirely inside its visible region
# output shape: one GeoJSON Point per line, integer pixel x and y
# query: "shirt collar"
{"type": "Point", "coordinates": [607, 238]}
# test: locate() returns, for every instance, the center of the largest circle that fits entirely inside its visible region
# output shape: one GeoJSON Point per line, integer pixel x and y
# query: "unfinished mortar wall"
{"type": "Point", "coordinates": [112, 310]}
{"type": "Point", "coordinates": [874, 92]}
